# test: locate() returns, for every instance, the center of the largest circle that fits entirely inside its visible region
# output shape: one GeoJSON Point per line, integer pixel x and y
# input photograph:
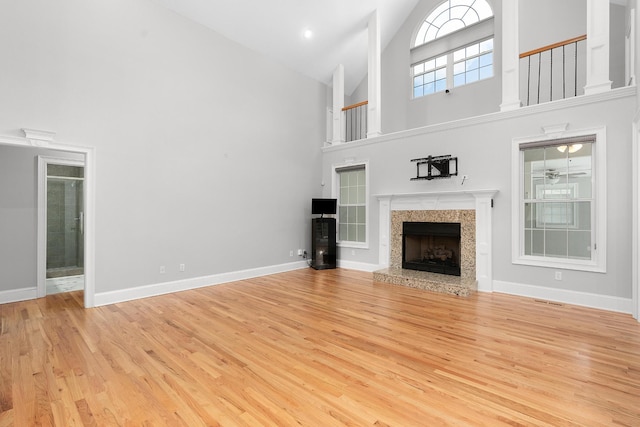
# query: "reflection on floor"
{"type": "Point", "coordinates": [65, 284]}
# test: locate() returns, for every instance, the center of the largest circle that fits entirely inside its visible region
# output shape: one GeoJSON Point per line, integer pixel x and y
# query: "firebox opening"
{"type": "Point", "coordinates": [431, 246]}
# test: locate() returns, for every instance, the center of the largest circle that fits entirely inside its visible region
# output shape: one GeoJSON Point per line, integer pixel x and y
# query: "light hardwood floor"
{"type": "Point", "coordinates": [317, 348]}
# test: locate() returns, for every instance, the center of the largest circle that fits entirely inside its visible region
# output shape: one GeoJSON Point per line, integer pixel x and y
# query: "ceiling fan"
{"type": "Point", "coordinates": [553, 175]}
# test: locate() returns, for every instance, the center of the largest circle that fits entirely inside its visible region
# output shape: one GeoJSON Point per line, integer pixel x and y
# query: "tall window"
{"type": "Point", "coordinates": [443, 57]}
{"type": "Point", "coordinates": [352, 204]}
{"type": "Point", "coordinates": [559, 220]}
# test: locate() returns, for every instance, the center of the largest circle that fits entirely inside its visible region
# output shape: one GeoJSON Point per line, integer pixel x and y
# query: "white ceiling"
{"type": "Point", "coordinates": [275, 28]}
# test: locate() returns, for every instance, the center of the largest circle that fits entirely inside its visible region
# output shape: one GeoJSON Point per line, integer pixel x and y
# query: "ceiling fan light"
{"type": "Point", "coordinates": [562, 148]}
{"type": "Point", "coordinates": [575, 147]}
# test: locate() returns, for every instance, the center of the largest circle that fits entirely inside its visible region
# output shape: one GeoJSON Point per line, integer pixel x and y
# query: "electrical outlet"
{"type": "Point", "coordinates": [162, 269]}
{"type": "Point", "coordinates": [558, 275]}
{"type": "Point", "coordinates": [300, 251]}
{"type": "Point", "coordinates": [182, 267]}
{"type": "Point", "coordinates": [290, 253]}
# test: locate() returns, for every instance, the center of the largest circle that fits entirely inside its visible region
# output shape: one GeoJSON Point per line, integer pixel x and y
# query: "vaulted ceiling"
{"type": "Point", "coordinates": [275, 28]}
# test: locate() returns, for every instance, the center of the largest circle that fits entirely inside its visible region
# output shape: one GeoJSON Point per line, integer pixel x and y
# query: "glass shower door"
{"type": "Point", "coordinates": [65, 221]}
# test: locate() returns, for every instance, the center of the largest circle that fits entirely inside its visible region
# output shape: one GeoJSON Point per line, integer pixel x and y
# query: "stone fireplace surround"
{"type": "Point", "coordinates": [472, 208]}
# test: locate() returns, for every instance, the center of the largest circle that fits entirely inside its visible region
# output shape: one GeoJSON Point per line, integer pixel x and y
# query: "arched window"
{"type": "Point", "coordinates": [450, 16]}
{"type": "Point", "coordinates": [443, 56]}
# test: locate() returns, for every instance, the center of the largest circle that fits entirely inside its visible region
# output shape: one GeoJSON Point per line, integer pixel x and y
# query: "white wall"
{"type": "Point", "coordinates": [207, 153]}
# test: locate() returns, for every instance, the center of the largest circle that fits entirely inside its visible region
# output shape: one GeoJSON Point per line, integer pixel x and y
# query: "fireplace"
{"type": "Point", "coordinates": [432, 247]}
{"type": "Point", "coordinates": [472, 209]}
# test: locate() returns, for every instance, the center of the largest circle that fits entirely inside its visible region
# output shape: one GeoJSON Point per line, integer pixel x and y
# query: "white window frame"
{"type": "Point", "coordinates": [447, 45]}
{"type": "Point", "coordinates": [571, 219]}
{"type": "Point", "coordinates": [335, 193]}
{"type": "Point", "coordinates": [599, 224]}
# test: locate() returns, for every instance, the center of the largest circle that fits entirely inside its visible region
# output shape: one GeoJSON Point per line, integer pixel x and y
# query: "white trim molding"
{"type": "Point", "coordinates": [46, 139]}
{"type": "Point", "coordinates": [598, 263]}
{"type": "Point", "coordinates": [146, 291]}
{"type": "Point", "coordinates": [584, 299]}
{"type": "Point", "coordinates": [597, 47]}
{"type": "Point", "coordinates": [546, 107]}
{"type": "Point", "coordinates": [635, 226]}
{"type": "Point", "coordinates": [43, 162]}
{"type": "Point", "coordinates": [335, 193]}
{"type": "Point", "coordinates": [17, 295]}
{"type": "Point", "coordinates": [479, 200]}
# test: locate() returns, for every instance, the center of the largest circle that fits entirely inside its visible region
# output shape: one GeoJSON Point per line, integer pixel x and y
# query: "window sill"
{"type": "Point", "coordinates": [560, 263]}
{"type": "Point", "coordinates": [354, 245]}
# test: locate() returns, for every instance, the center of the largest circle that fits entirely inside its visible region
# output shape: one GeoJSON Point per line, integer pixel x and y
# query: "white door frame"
{"type": "Point", "coordinates": [45, 140]}
{"type": "Point", "coordinates": [635, 228]}
{"type": "Point", "coordinates": [43, 162]}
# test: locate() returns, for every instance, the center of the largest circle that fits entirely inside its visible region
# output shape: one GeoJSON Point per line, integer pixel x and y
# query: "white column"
{"type": "Point", "coordinates": [384, 226]}
{"type": "Point", "coordinates": [630, 50]}
{"type": "Point", "coordinates": [338, 105]}
{"type": "Point", "coordinates": [484, 271]}
{"type": "Point", "coordinates": [597, 47]}
{"type": "Point", "coordinates": [374, 85]}
{"type": "Point", "coordinates": [510, 57]}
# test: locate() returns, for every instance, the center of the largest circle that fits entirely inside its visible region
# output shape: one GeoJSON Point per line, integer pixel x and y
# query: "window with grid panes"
{"type": "Point", "coordinates": [444, 56]}
{"type": "Point", "coordinates": [561, 206]}
{"type": "Point", "coordinates": [558, 200]}
{"type": "Point", "coordinates": [352, 204]}
{"type": "Point", "coordinates": [473, 63]}
{"type": "Point", "coordinates": [430, 76]}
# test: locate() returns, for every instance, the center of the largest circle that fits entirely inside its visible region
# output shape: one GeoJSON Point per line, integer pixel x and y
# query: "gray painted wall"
{"type": "Point", "coordinates": [484, 154]}
{"type": "Point", "coordinates": [400, 112]}
{"type": "Point", "coordinates": [484, 150]}
{"type": "Point", "coordinates": [207, 153]}
{"type": "Point", "coordinates": [544, 22]}
{"type": "Point", "coordinates": [18, 214]}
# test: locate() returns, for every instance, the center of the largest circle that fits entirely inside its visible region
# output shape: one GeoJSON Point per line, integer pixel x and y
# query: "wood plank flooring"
{"type": "Point", "coordinates": [317, 348]}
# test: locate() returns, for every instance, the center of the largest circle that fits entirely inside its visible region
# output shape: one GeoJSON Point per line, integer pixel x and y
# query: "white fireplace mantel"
{"type": "Point", "coordinates": [479, 200]}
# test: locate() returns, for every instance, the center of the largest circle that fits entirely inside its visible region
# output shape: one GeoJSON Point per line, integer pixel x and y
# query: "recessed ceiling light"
{"type": "Point", "coordinates": [307, 34]}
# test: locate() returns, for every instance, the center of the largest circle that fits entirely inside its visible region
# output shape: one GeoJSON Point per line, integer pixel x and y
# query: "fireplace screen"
{"type": "Point", "coordinates": [431, 246]}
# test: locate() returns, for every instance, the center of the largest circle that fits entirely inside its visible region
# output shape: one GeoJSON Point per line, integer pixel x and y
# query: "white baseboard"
{"type": "Point", "coordinates": [360, 266]}
{"type": "Point", "coordinates": [602, 302]}
{"type": "Point", "coordinates": [16, 295]}
{"type": "Point", "coordinates": [113, 297]}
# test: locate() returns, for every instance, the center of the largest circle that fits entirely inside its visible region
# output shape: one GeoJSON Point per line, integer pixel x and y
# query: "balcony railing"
{"type": "Point", "coordinates": [553, 72]}
{"type": "Point", "coordinates": [355, 120]}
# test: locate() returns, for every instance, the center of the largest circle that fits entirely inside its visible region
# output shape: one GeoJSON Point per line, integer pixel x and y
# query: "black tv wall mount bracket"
{"type": "Point", "coordinates": [435, 167]}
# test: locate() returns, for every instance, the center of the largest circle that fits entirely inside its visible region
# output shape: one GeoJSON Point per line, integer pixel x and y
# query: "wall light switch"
{"type": "Point", "coordinates": [558, 275]}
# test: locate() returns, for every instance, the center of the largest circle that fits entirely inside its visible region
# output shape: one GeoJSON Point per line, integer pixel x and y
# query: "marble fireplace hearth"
{"type": "Point", "coordinates": [472, 209]}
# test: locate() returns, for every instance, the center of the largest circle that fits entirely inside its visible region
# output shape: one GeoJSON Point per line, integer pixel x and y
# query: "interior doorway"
{"type": "Point", "coordinates": [61, 224]}
{"type": "Point", "coordinates": [36, 140]}
{"type": "Point", "coordinates": [65, 226]}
